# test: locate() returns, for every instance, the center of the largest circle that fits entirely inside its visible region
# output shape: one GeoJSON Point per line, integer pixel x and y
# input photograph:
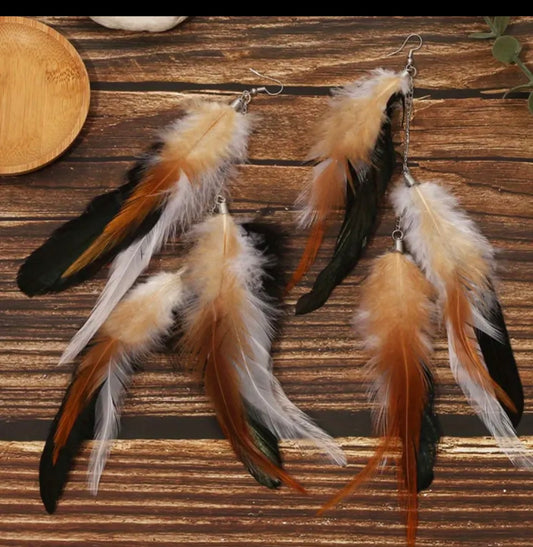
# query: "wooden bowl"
{"type": "Point", "coordinates": [44, 94]}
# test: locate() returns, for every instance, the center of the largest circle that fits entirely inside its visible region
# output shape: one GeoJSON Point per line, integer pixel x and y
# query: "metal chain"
{"type": "Point", "coordinates": [398, 235]}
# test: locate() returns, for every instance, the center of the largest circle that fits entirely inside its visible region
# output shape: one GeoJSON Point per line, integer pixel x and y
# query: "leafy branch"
{"type": "Point", "coordinates": [507, 49]}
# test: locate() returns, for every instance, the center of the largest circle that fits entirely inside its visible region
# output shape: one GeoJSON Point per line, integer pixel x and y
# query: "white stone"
{"type": "Point", "coordinates": [133, 22]}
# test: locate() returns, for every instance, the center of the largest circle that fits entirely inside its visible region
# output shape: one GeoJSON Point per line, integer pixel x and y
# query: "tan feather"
{"type": "Point", "coordinates": [395, 318]}
{"type": "Point", "coordinates": [346, 135]}
{"type": "Point", "coordinates": [215, 340]}
{"type": "Point", "coordinates": [181, 153]}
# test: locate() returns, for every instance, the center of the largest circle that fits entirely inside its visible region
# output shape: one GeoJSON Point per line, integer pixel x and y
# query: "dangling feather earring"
{"type": "Point", "coordinates": [228, 327]}
{"type": "Point", "coordinates": [459, 261]}
{"type": "Point", "coordinates": [91, 407]}
{"type": "Point", "coordinates": [400, 305]}
{"type": "Point", "coordinates": [394, 319]}
{"type": "Point", "coordinates": [168, 191]}
{"type": "Point", "coordinates": [354, 158]}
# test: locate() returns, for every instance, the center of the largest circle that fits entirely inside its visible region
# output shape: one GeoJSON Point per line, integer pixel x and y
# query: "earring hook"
{"type": "Point", "coordinates": [410, 54]}
{"type": "Point", "coordinates": [265, 89]}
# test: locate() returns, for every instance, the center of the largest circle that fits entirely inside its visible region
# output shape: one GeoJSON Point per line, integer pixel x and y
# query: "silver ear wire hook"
{"type": "Point", "coordinates": [410, 54]}
{"type": "Point", "coordinates": [410, 66]}
{"type": "Point", "coordinates": [265, 89]}
{"type": "Point", "coordinates": [241, 103]}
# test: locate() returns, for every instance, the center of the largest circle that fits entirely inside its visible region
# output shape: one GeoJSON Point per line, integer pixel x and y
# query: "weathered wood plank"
{"type": "Point", "coordinates": [302, 51]}
{"type": "Point", "coordinates": [317, 355]}
{"type": "Point", "coordinates": [195, 493]}
{"type": "Point", "coordinates": [455, 129]}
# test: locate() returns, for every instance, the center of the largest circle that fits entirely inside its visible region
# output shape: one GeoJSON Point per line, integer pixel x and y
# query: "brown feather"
{"type": "Point", "coordinates": [458, 312]}
{"type": "Point", "coordinates": [395, 316]}
{"type": "Point", "coordinates": [180, 154]}
{"type": "Point", "coordinates": [309, 255]}
{"type": "Point", "coordinates": [88, 378]}
{"type": "Point", "coordinates": [215, 337]}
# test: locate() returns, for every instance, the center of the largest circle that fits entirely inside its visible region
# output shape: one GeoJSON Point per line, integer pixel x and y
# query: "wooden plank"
{"type": "Point", "coordinates": [316, 356]}
{"type": "Point", "coordinates": [448, 128]}
{"type": "Point", "coordinates": [195, 493]}
{"type": "Point", "coordinates": [302, 51]}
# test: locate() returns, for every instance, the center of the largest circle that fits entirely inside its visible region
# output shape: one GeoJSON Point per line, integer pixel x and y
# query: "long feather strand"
{"type": "Point", "coordinates": [395, 317]}
{"type": "Point", "coordinates": [458, 260]}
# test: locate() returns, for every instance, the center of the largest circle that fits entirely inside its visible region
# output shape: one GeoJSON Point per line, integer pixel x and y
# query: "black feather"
{"type": "Point", "coordinates": [501, 364]}
{"type": "Point", "coordinates": [52, 478]}
{"type": "Point", "coordinates": [359, 221]}
{"type": "Point", "coordinates": [271, 242]}
{"type": "Point", "coordinates": [267, 443]}
{"type": "Point", "coordinates": [430, 433]}
{"type": "Point", "coordinates": [41, 272]}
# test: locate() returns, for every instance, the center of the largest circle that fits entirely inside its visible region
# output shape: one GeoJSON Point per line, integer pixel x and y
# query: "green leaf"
{"type": "Point", "coordinates": [500, 24]}
{"type": "Point", "coordinates": [530, 102]}
{"type": "Point", "coordinates": [482, 35]}
{"type": "Point", "coordinates": [506, 49]}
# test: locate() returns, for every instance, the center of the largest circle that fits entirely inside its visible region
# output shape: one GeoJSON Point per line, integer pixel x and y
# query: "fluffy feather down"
{"type": "Point", "coordinates": [192, 168]}
{"type": "Point", "coordinates": [394, 319]}
{"type": "Point", "coordinates": [225, 272]}
{"type": "Point", "coordinates": [458, 260]}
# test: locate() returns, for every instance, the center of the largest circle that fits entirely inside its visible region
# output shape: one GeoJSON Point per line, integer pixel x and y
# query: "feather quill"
{"type": "Point", "coordinates": [395, 317]}
{"type": "Point", "coordinates": [227, 339]}
{"type": "Point", "coordinates": [91, 407]}
{"type": "Point", "coordinates": [179, 184]}
{"type": "Point", "coordinates": [458, 260]}
{"type": "Point", "coordinates": [349, 150]}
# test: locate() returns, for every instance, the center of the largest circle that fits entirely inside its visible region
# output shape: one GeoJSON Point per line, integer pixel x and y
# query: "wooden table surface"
{"type": "Point", "coordinates": [172, 479]}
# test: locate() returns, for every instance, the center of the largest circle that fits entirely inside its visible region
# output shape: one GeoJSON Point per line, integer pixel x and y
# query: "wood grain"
{"type": "Point", "coordinates": [194, 493]}
{"type": "Point", "coordinates": [173, 481]}
{"type": "Point", "coordinates": [45, 94]}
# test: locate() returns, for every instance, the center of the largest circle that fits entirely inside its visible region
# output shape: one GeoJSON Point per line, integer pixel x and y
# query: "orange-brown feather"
{"type": "Point", "coordinates": [213, 344]}
{"type": "Point", "coordinates": [215, 337]}
{"type": "Point", "coordinates": [327, 194]}
{"type": "Point", "coordinates": [148, 195]}
{"type": "Point", "coordinates": [89, 377]}
{"type": "Point", "coordinates": [396, 306]}
{"type": "Point", "coordinates": [458, 312]}
{"type": "Point", "coordinates": [312, 246]}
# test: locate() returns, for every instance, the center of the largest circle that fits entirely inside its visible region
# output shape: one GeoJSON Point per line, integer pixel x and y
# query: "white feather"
{"type": "Point", "coordinates": [186, 204]}
{"type": "Point", "coordinates": [150, 312]}
{"type": "Point", "coordinates": [457, 232]}
{"type": "Point", "coordinates": [366, 86]}
{"type": "Point", "coordinates": [456, 236]}
{"type": "Point", "coordinates": [259, 387]}
{"type": "Point", "coordinates": [107, 417]}
{"type": "Point", "coordinates": [489, 409]}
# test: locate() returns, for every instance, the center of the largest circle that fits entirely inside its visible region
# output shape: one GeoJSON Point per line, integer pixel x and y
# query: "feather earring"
{"type": "Point", "coordinates": [459, 261]}
{"type": "Point", "coordinates": [91, 407]}
{"type": "Point", "coordinates": [228, 327]}
{"type": "Point", "coordinates": [394, 319]}
{"type": "Point", "coordinates": [401, 302]}
{"type": "Point", "coordinates": [354, 158]}
{"type": "Point", "coordinates": [168, 190]}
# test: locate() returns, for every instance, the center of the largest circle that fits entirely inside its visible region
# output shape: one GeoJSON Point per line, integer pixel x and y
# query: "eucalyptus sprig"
{"type": "Point", "coordinates": [507, 50]}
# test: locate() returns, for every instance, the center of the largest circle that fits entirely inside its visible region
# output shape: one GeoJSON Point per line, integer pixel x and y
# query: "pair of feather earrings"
{"type": "Point", "coordinates": [448, 276]}
{"type": "Point", "coordinates": [220, 300]}
{"type": "Point", "coordinates": [171, 189]}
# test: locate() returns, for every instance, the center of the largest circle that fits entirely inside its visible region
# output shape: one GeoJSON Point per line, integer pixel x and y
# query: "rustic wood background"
{"type": "Point", "coordinates": [171, 479]}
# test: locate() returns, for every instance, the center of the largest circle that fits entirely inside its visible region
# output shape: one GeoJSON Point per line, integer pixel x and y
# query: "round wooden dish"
{"type": "Point", "coordinates": [44, 94]}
